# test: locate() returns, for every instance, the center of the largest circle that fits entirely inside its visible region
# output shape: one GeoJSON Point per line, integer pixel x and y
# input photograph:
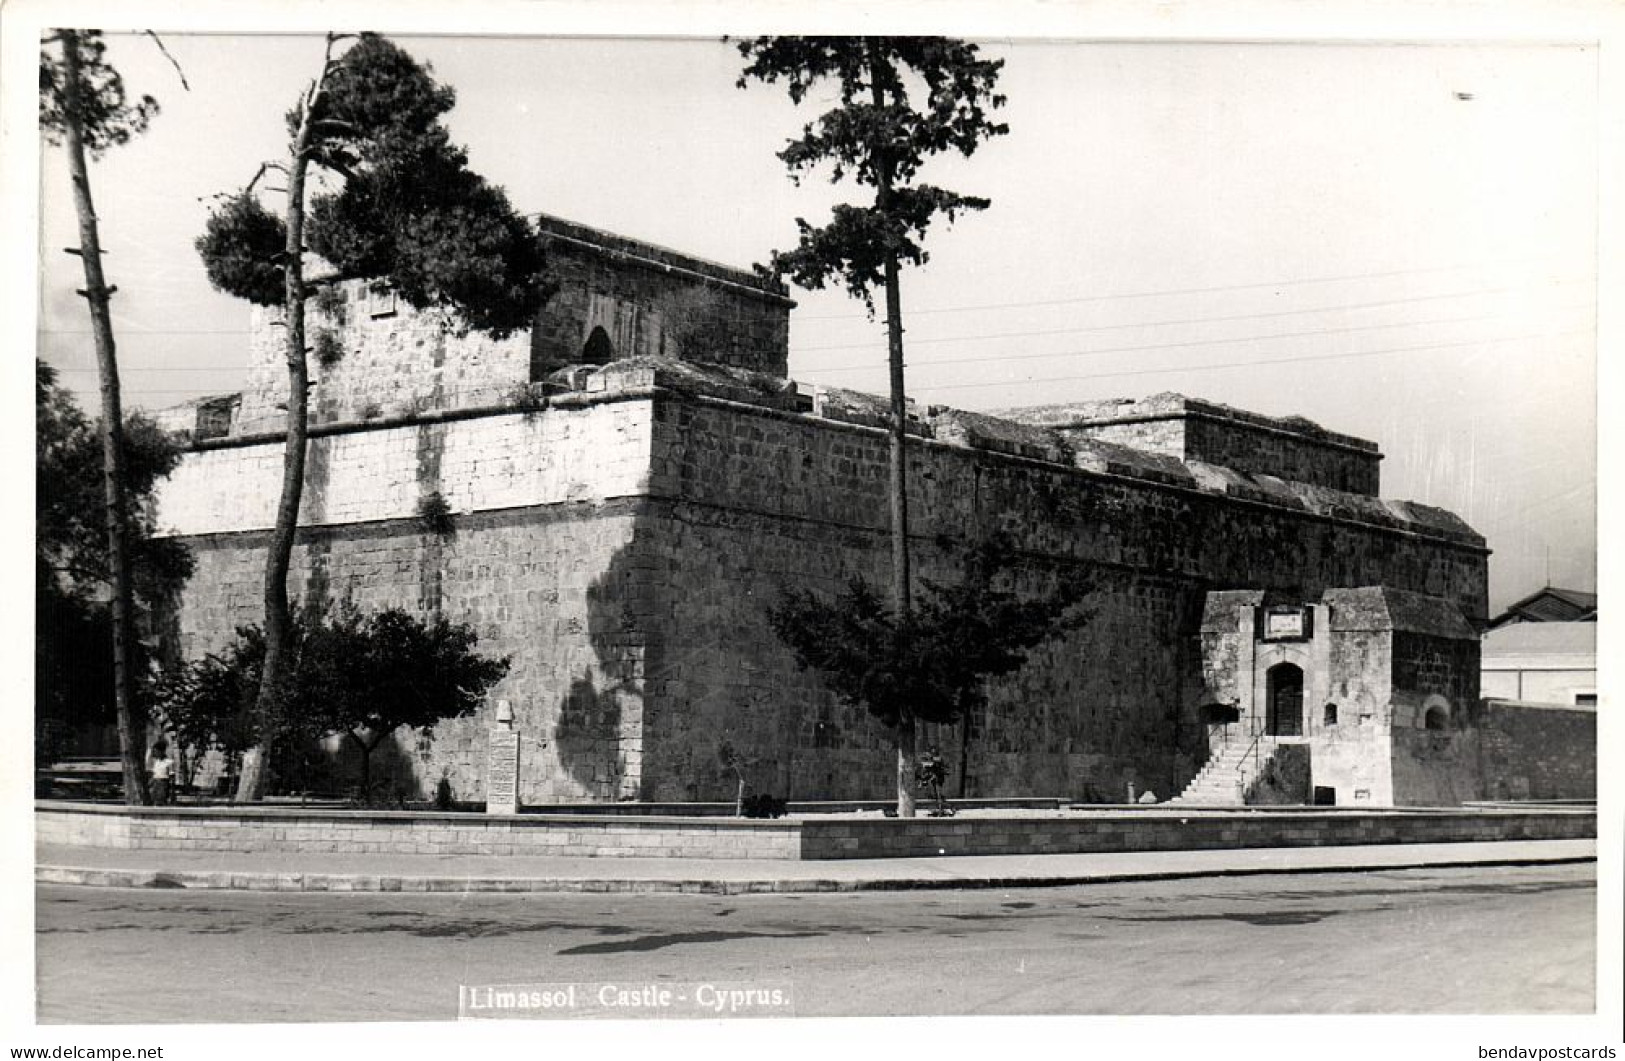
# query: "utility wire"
{"type": "Point", "coordinates": [1190, 320]}
{"type": "Point", "coordinates": [869, 366]}
{"type": "Point", "coordinates": [1250, 364]}
{"type": "Point", "coordinates": [1158, 294]}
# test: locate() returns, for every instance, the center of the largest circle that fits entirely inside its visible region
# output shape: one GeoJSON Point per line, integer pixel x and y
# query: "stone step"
{"type": "Point", "coordinates": [1224, 777]}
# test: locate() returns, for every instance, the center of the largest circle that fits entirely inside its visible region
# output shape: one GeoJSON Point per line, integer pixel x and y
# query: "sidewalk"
{"type": "Point", "coordinates": [316, 872]}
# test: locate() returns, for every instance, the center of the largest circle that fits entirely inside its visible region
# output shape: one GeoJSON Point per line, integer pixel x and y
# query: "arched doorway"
{"type": "Point", "coordinates": [1283, 698]}
{"type": "Point", "coordinates": [598, 350]}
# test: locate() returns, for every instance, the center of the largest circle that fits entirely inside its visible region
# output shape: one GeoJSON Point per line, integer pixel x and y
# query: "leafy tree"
{"type": "Point", "coordinates": [398, 205]}
{"type": "Point", "coordinates": [902, 100]}
{"type": "Point", "coordinates": [208, 704]}
{"type": "Point", "coordinates": [360, 676]}
{"type": "Point", "coordinates": [75, 682]}
{"type": "Point", "coordinates": [379, 672]}
{"type": "Point", "coordinates": [84, 107]}
{"type": "Point", "coordinates": [931, 663]}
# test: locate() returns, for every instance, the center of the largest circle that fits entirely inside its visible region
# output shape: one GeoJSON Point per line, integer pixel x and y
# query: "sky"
{"type": "Point", "coordinates": [1397, 241]}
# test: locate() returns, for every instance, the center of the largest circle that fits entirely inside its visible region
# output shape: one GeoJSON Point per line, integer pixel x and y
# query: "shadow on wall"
{"type": "Point", "coordinates": [587, 738]}
{"type": "Point", "coordinates": [594, 730]}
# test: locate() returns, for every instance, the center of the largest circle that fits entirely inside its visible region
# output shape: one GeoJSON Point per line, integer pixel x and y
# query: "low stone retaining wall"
{"type": "Point", "coordinates": [409, 832]}
{"type": "Point", "coordinates": [602, 836]}
{"type": "Point", "coordinates": [1161, 831]}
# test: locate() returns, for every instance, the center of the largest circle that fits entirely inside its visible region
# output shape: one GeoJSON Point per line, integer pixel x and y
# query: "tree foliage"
{"type": "Point", "coordinates": [402, 203]}
{"type": "Point", "coordinates": [207, 704]}
{"type": "Point", "coordinates": [902, 100]}
{"type": "Point", "coordinates": [932, 665]}
{"type": "Point", "coordinates": [73, 658]}
{"type": "Point", "coordinates": [242, 250]}
{"type": "Point", "coordinates": [360, 676]}
{"type": "Point", "coordinates": [106, 115]}
{"type": "Point", "coordinates": [70, 540]}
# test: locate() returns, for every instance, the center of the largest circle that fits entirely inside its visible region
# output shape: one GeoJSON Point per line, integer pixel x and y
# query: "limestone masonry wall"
{"type": "Point", "coordinates": [761, 500]}
{"type": "Point", "coordinates": [923, 837]}
{"type": "Point", "coordinates": [620, 546]}
{"type": "Point", "coordinates": [394, 361]}
{"type": "Point", "coordinates": [546, 588]}
{"type": "Point", "coordinates": [1538, 751]}
{"type": "Point", "coordinates": [389, 360]}
{"type": "Point", "coordinates": [653, 303]}
{"type": "Point", "coordinates": [814, 838]}
{"type": "Point", "coordinates": [1193, 430]}
{"type": "Point", "coordinates": [589, 451]}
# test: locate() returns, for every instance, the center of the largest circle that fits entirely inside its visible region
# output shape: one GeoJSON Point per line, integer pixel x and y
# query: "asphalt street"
{"type": "Point", "coordinates": [1467, 940]}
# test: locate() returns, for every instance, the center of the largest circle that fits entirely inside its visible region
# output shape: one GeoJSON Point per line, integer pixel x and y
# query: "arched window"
{"type": "Point", "coordinates": [1436, 717]}
{"type": "Point", "coordinates": [1283, 698]}
{"type": "Point", "coordinates": [1330, 717]}
{"type": "Point", "coordinates": [599, 350]}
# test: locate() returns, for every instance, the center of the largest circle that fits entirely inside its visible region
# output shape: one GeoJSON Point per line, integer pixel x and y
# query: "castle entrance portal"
{"type": "Point", "coordinates": [1283, 692]}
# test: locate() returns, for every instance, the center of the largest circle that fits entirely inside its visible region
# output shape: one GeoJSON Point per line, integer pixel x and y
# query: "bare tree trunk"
{"type": "Point", "coordinates": [269, 701]}
{"type": "Point", "coordinates": [897, 455]}
{"type": "Point", "coordinates": [131, 731]}
{"type": "Point", "coordinates": [901, 604]}
{"type": "Point", "coordinates": [964, 752]}
{"type": "Point", "coordinates": [366, 767]}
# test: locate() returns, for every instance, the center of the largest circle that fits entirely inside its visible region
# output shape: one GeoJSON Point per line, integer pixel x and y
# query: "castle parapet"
{"type": "Point", "coordinates": [1189, 429]}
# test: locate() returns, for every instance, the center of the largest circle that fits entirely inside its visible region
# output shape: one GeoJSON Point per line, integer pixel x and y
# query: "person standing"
{"type": "Point", "coordinates": [163, 769]}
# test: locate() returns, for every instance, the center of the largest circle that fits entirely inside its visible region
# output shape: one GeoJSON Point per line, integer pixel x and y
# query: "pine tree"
{"type": "Point", "coordinates": [404, 209]}
{"type": "Point", "coordinates": [84, 107]}
{"type": "Point", "coordinates": [902, 100]}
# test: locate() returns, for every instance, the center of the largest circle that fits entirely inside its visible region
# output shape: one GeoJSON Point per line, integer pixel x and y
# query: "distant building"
{"type": "Point", "coordinates": [1550, 605]}
{"type": "Point", "coordinates": [1542, 662]}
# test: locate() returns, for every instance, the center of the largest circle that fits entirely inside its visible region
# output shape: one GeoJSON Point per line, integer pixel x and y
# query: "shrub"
{"type": "Point", "coordinates": [763, 805]}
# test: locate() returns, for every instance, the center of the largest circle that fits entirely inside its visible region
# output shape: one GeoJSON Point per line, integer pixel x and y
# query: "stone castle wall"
{"type": "Point", "coordinates": [654, 303]}
{"type": "Point", "coordinates": [387, 360]}
{"type": "Point", "coordinates": [544, 511]}
{"type": "Point", "coordinates": [1193, 430]}
{"type": "Point", "coordinates": [622, 544]}
{"type": "Point", "coordinates": [1538, 751]}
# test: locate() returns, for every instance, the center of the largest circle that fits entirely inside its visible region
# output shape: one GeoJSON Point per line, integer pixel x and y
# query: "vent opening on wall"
{"type": "Point", "coordinates": [1329, 718]}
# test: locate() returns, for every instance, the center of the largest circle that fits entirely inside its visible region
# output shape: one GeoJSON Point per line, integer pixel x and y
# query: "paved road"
{"type": "Point", "coordinates": [1487, 940]}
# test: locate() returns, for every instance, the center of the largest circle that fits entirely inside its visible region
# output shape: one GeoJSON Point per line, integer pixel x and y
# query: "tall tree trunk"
{"type": "Point", "coordinates": [366, 767]}
{"type": "Point", "coordinates": [131, 730]}
{"type": "Point", "coordinates": [269, 701]}
{"type": "Point", "coordinates": [897, 455]}
{"type": "Point", "coordinates": [964, 752]}
{"type": "Point", "coordinates": [901, 603]}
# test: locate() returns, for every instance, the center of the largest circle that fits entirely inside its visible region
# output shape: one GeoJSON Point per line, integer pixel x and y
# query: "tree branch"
{"type": "Point", "coordinates": [178, 71]}
{"type": "Point", "coordinates": [249, 188]}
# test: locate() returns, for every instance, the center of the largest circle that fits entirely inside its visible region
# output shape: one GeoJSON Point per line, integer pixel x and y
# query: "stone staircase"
{"type": "Point", "coordinates": [1228, 773]}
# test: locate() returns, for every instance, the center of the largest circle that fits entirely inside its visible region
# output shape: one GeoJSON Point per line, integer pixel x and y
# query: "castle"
{"type": "Point", "coordinates": [632, 482]}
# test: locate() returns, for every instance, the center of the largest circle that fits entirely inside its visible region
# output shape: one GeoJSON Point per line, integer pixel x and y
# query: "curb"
{"type": "Point", "coordinates": [353, 883]}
